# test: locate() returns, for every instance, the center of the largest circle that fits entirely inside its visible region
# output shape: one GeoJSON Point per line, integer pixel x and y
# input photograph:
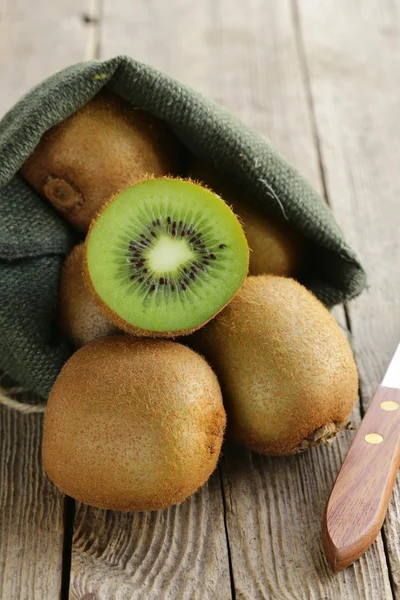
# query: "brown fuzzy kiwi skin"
{"type": "Point", "coordinates": [103, 147]}
{"type": "Point", "coordinates": [133, 424]}
{"type": "Point", "coordinates": [275, 248]}
{"type": "Point", "coordinates": [112, 316]}
{"type": "Point", "coordinates": [78, 315]}
{"type": "Point", "coordinates": [287, 373]}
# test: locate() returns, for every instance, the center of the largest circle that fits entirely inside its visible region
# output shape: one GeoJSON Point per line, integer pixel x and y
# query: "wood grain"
{"type": "Point", "coordinates": [353, 51]}
{"type": "Point", "coordinates": [174, 554]}
{"type": "Point", "coordinates": [38, 38]}
{"type": "Point", "coordinates": [31, 514]}
{"type": "Point", "coordinates": [35, 40]}
{"type": "Point", "coordinates": [359, 500]}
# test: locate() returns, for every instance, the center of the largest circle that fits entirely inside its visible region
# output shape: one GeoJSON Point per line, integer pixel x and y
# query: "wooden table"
{"type": "Point", "coordinates": [321, 79]}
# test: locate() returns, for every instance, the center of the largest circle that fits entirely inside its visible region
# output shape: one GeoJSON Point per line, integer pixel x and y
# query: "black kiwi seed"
{"type": "Point", "coordinates": [162, 280]}
{"type": "Point", "coordinates": [213, 256]}
{"type": "Point", "coordinates": [222, 246]}
{"type": "Point", "coordinates": [183, 286]}
{"type": "Point", "coordinates": [192, 276]}
{"type": "Point", "coordinates": [152, 287]}
{"type": "Point", "coordinates": [153, 234]}
{"type": "Point", "coordinates": [169, 220]}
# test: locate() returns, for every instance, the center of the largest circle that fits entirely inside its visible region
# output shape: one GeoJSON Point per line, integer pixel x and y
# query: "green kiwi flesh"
{"type": "Point", "coordinates": [287, 372]}
{"type": "Point", "coordinates": [133, 424]}
{"type": "Point", "coordinates": [164, 256]}
{"type": "Point", "coordinates": [79, 316]}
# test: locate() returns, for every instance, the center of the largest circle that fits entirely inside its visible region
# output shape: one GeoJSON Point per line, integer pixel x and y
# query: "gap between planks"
{"type": "Point", "coordinates": [352, 50]}
{"type": "Point", "coordinates": [317, 140]}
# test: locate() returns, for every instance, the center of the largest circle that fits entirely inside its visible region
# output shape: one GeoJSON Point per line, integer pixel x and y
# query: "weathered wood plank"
{"type": "Point", "coordinates": [35, 40]}
{"type": "Point", "coordinates": [39, 38]}
{"type": "Point", "coordinates": [274, 507]}
{"type": "Point", "coordinates": [174, 554]}
{"type": "Point", "coordinates": [353, 56]}
{"type": "Point", "coordinates": [31, 513]}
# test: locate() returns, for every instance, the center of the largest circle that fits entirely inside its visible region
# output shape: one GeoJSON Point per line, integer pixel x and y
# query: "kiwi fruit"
{"type": "Point", "coordinates": [286, 370]}
{"type": "Point", "coordinates": [164, 256]}
{"type": "Point", "coordinates": [79, 317]}
{"type": "Point", "coordinates": [275, 248]}
{"type": "Point", "coordinates": [100, 149]}
{"type": "Point", "coordinates": [133, 424]}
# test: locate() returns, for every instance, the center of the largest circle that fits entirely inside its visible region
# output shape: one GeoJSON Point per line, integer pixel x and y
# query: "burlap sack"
{"type": "Point", "coordinates": [34, 239]}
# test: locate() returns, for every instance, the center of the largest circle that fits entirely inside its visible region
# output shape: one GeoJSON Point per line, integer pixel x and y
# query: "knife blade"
{"type": "Point", "coordinates": [360, 496]}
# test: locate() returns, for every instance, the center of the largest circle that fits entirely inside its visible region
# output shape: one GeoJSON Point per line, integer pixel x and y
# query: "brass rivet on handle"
{"type": "Point", "coordinates": [373, 438]}
{"type": "Point", "coordinates": [389, 405]}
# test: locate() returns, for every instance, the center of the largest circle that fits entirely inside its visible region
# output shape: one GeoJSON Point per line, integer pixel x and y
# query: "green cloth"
{"type": "Point", "coordinates": [34, 239]}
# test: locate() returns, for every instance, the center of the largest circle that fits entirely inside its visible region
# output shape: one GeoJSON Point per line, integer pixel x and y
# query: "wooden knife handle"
{"type": "Point", "coordinates": [358, 503]}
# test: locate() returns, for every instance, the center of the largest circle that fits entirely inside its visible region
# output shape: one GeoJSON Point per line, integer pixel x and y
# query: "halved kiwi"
{"type": "Point", "coordinates": [164, 256]}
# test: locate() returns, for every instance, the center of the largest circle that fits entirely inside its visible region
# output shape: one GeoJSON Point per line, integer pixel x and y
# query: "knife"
{"type": "Point", "coordinates": [360, 496]}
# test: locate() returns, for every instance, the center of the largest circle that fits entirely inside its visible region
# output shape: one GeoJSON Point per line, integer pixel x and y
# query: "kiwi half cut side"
{"type": "Point", "coordinates": [165, 256]}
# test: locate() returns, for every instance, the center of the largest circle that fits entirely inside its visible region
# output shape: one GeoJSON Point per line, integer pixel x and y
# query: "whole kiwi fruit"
{"type": "Point", "coordinates": [133, 424]}
{"type": "Point", "coordinates": [103, 147]}
{"type": "Point", "coordinates": [287, 372]}
{"type": "Point", "coordinates": [79, 317]}
{"type": "Point", "coordinates": [275, 248]}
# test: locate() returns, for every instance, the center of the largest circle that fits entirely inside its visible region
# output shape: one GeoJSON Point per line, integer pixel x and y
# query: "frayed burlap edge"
{"type": "Point", "coordinates": [26, 408]}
